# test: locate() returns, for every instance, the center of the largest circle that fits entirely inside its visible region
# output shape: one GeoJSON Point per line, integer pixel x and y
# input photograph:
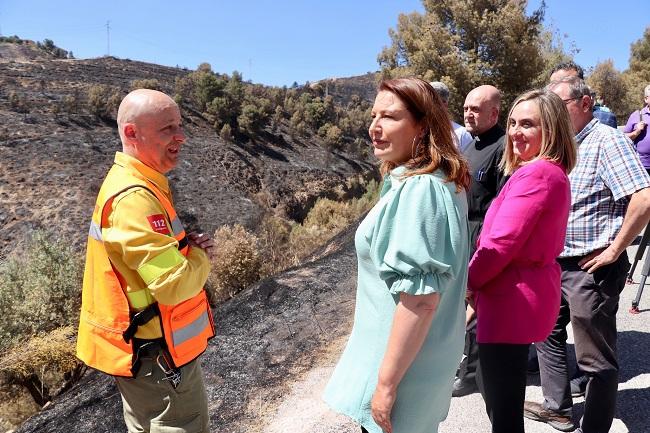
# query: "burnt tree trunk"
{"type": "Point", "coordinates": [40, 393]}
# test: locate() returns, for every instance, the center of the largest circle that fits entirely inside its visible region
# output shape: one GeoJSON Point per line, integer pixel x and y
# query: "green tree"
{"type": "Point", "coordinates": [332, 135]}
{"type": "Point", "coordinates": [609, 86]}
{"type": "Point", "coordinates": [204, 67]}
{"type": "Point", "coordinates": [146, 83]}
{"type": "Point", "coordinates": [226, 133]}
{"type": "Point", "coordinates": [235, 86]}
{"type": "Point", "coordinates": [254, 116]}
{"type": "Point", "coordinates": [640, 57]}
{"type": "Point", "coordinates": [297, 123]}
{"type": "Point", "coordinates": [225, 111]}
{"type": "Point", "coordinates": [48, 44]}
{"type": "Point", "coordinates": [638, 74]}
{"type": "Point", "coordinates": [207, 86]}
{"type": "Point", "coordinates": [466, 44]}
{"type": "Point", "coordinates": [103, 101]}
{"type": "Point", "coordinates": [278, 115]}
{"type": "Point", "coordinates": [226, 105]}
{"type": "Point", "coordinates": [553, 52]}
{"type": "Point", "coordinates": [184, 89]}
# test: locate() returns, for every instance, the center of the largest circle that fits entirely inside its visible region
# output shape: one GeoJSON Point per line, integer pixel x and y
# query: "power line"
{"type": "Point", "coordinates": [108, 38]}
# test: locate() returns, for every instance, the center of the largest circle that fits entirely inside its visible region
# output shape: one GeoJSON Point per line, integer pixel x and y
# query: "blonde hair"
{"type": "Point", "coordinates": [437, 148]}
{"type": "Point", "coordinates": [558, 143]}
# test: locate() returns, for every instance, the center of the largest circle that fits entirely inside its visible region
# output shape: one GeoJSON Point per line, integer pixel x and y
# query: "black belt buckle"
{"type": "Point", "coordinates": [143, 349]}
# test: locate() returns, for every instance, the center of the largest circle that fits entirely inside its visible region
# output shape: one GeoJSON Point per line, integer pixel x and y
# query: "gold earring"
{"type": "Point", "coordinates": [415, 148]}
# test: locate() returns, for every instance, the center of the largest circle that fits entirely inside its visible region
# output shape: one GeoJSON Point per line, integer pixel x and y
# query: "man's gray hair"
{"type": "Point", "coordinates": [441, 89]}
{"type": "Point", "coordinates": [577, 87]}
{"type": "Point", "coordinates": [646, 91]}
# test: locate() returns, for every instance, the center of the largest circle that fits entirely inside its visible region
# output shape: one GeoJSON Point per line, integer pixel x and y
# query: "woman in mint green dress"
{"type": "Point", "coordinates": [397, 369]}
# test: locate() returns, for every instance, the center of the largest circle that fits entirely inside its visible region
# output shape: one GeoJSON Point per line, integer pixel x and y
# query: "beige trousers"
{"type": "Point", "coordinates": [152, 405]}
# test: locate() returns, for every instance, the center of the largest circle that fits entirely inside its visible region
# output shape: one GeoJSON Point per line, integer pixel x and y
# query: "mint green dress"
{"type": "Point", "coordinates": [415, 240]}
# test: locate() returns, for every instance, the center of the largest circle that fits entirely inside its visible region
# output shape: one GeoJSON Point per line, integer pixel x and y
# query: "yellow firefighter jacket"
{"type": "Point", "coordinates": [138, 254]}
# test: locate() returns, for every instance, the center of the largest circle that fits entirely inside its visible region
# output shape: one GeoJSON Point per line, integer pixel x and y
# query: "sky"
{"type": "Point", "coordinates": [277, 42]}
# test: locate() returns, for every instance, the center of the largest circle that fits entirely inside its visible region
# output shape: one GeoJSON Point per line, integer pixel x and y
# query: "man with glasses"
{"type": "Point", "coordinates": [565, 70]}
{"type": "Point", "coordinates": [571, 69]}
{"type": "Point", "coordinates": [610, 205]}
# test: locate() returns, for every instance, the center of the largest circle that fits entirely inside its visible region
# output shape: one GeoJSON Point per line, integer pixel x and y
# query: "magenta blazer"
{"type": "Point", "coordinates": [513, 274]}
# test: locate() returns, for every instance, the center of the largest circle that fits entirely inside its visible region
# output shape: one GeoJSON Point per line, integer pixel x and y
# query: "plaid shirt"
{"type": "Point", "coordinates": [607, 173]}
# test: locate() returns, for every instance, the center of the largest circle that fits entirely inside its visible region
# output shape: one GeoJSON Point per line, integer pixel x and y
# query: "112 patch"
{"type": "Point", "coordinates": [158, 224]}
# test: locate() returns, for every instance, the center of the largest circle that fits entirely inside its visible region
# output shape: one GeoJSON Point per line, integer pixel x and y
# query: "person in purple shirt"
{"type": "Point", "coordinates": [514, 279]}
{"type": "Point", "coordinates": [637, 130]}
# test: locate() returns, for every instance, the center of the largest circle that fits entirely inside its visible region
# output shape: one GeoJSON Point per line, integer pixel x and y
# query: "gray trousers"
{"type": "Point", "coordinates": [590, 303]}
{"type": "Point", "coordinates": [152, 405]}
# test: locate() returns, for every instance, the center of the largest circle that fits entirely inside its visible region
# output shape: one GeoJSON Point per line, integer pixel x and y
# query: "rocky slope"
{"type": "Point", "coordinates": [342, 89]}
{"type": "Point", "coordinates": [53, 161]}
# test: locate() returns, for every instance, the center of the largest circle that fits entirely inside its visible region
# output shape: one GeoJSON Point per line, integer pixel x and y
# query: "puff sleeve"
{"type": "Point", "coordinates": [417, 240]}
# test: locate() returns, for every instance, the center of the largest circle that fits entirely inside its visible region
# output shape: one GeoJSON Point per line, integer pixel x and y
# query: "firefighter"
{"type": "Point", "coordinates": [145, 318]}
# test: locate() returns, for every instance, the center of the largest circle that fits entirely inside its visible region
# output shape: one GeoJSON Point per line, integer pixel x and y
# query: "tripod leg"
{"type": "Point", "coordinates": [639, 254]}
{"type": "Point", "coordinates": [644, 275]}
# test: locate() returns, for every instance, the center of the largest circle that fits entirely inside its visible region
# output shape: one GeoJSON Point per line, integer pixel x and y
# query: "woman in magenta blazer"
{"type": "Point", "coordinates": [514, 280]}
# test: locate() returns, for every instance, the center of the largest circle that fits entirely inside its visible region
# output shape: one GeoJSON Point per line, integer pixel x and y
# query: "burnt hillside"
{"type": "Point", "coordinates": [267, 337]}
{"type": "Point", "coordinates": [55, 153]}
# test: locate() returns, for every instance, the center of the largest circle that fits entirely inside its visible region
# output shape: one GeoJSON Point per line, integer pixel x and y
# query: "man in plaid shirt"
{"type": "Point", "coordinates": [610, 205]}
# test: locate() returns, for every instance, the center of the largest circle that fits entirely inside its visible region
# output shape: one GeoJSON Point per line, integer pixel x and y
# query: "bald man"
{"type": "Point", "coordinates": [145, 318]}
{"type": "Point", "coordinates": [481, 114]}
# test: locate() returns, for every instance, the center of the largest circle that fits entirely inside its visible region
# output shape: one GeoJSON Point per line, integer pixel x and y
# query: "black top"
{"type": "Point", "coordinates": [484, 154]}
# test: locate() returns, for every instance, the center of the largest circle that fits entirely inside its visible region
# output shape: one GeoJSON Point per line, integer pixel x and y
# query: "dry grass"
{"type": "Point", "coordinates": [236, 263]}
{"type": "Point", "coordinates": [328, 218]}
{"type": "Point", "coordinates": [243, 257]}
{"type": "Point", "coordinates": [47, 360]}
{"type": "Point", "coordinates": [46, 355]}
{"type": "Point", "coordinates": [288, 244]}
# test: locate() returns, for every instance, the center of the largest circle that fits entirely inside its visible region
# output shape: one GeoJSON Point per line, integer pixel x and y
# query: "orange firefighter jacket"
{"type": "Point", "coordinates": [137, 254]}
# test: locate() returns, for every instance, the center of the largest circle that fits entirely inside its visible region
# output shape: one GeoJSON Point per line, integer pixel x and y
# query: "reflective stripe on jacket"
{"type": "Point", "coordinates": [107, 304]}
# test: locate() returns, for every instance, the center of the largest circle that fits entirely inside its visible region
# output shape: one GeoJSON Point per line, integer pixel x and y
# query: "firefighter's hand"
{"type": "Point", "coordinates": [203, 241]}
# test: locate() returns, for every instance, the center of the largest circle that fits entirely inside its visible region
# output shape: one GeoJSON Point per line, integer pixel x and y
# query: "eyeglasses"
{"type": "Point", "coordinates": [566, 101]}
